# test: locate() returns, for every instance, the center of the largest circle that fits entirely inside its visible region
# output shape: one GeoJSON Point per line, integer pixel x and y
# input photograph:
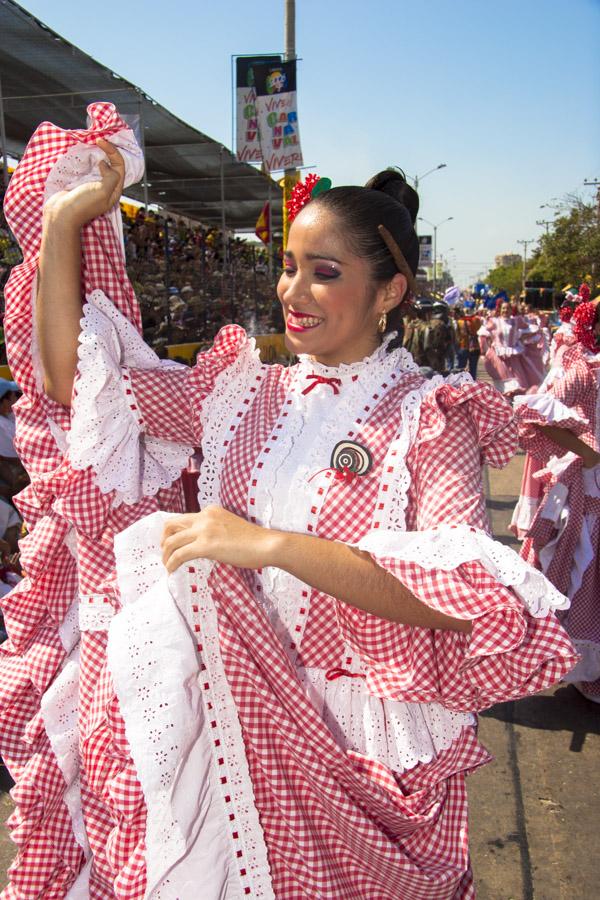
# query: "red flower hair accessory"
{"type": "Point", "coordinates": [584, 292]}
{"type": "Point", "coordinates": [584, 318]}
{"type": "Point", "coordinates": [304, 192]}
{"type": "Point", "coordinates": [565, 313]}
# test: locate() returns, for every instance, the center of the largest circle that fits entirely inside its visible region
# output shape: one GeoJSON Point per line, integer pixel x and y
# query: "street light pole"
{"type": "Point", "coordinates": [525, 245]}
{"type": "Point", "coordinates": [435, 228]}
{"type": "Point", "coordinates": [417, 178]}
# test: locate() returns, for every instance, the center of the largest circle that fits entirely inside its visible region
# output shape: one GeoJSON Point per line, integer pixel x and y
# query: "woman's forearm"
{"type": "Point", "coordinates": [58, 305]}
{"type": "Point", "coordinates": [569, 441]}
{"type": "Point", "coordinates": [355, 578]}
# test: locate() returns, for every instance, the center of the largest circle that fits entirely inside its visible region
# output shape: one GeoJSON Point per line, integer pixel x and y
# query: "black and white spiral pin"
{"type": "Point", "coordinates": [351, 457]}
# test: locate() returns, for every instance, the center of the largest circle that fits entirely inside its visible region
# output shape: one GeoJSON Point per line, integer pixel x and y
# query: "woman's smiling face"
{"type": "Point", "coordinates": [330, 304]}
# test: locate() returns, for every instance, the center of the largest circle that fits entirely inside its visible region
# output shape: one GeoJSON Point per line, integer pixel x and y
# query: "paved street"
{"type": "Point", "coordinates": [535, 811]}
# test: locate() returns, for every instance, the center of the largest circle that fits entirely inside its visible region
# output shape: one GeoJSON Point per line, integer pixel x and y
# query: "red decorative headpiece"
{"type": "Point", "coordinates": [584, 292]}
{"type": "Point", "coordinates": [584, 318]}
{"type": "Point", "coordinates": [304, 192]}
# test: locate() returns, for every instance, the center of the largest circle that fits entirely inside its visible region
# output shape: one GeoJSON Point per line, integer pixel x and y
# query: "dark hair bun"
{"type": "Point", "coordinates": [393, 183]}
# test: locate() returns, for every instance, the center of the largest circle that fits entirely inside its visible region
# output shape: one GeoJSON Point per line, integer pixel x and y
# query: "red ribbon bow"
{"type": "Point", "coordinates": [322, 379]}
{"type": "Point", "coordinates": [333, 674]}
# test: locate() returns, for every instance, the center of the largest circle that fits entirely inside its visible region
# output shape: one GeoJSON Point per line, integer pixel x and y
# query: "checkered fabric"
{"type": "Point", "coordinates": [332, 848]}
{"type": "Point", "coordinates": [60, 499]}
{"type": "Point", "coordinates": [578, 390]}
{"type": "Point", "coordinates": [336, 824]}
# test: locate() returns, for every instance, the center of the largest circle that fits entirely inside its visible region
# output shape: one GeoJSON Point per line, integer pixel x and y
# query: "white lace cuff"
{"type": "Point", "coordinates": [550, 408]}
{"type": "Point", "coordinates": [106, 424]}
{"type": "Point", "coordinates": [449, 546]}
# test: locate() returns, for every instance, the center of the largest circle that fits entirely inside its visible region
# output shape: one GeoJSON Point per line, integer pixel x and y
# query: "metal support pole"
{"type": "Point", "coordinates": [168, 279]}
{"type": "Point", "coordinates": [143, 139]}
{"type": "Point", "coordinates": [434, 258]}
{"type": "Point", "coordinates": [223, 223]}
{"type": "Point", "coordinates": [270, 233]}
{"type": "Point", "coordinates": [289, 29]}
{"type": "Point", "coordinates": [3, 141]}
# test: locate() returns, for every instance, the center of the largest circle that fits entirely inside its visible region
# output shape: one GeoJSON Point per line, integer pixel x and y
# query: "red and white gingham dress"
{"type": "Point", "coordinates": [563, 537]}
{"type": "Point", "coordinates": [204, 741]}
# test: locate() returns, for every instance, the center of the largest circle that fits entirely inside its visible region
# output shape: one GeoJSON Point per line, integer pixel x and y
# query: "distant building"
{"type": "Point", "coordinates": [507, 260]}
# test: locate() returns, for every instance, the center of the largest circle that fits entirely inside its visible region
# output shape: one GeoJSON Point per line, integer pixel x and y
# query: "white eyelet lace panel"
{"type": "Point", "coordinates": [95, 612]}
{"type": "Point", "coordinates": [68, 630]}
{"type": "Point", "coordinates": [106, 425]}
{"type": "Point", "coordinates": [223, 411]}
{"type": "Point", "coordinates": [79, 164]}
{"type": "Point", "coordinates": [448, 546]}
{"type": "Point", "coordinates": [288, 485]}
{"type": "Point", "coordinates": [59, 707]}
{"type": "Point", "coordinates": [390, 508]}
{"type": "Point", "coordinates": [398, 734]}
{"type": "Point", "coordinates": [203, 834]}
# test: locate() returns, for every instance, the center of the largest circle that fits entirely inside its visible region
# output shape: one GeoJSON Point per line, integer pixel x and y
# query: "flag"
{"type": "Point", "coordinates": [262, 229]}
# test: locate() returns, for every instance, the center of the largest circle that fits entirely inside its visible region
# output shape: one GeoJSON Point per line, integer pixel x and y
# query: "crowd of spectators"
{"type": "Point", "coordinates": [190, 280]}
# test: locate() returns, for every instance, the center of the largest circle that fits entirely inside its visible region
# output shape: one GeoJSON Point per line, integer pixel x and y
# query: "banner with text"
{"type": "Point", "coordinates": [425, 251]}
{"type": "Point", "coordinates": [277, 114]}
{"type": "Point", "coordinates": [247, 141]}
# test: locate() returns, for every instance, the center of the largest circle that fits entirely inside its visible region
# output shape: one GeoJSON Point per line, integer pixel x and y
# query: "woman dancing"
{"type": "Point", "coordinates": [558, 513]}
{"type": "Point", "coordinates": [275, 695]}
{"type": "Point", "coordinates": [505, 342]}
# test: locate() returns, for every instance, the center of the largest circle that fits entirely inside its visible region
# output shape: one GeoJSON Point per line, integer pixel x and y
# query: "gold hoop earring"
{"type": "Point", "coordinates": [382, 323]}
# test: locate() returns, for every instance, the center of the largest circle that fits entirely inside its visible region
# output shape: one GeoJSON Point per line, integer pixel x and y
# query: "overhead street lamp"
{"type": "Point", "coordinates": [418, 178]}
{"type": "Point", "coordinates": [435, 228]}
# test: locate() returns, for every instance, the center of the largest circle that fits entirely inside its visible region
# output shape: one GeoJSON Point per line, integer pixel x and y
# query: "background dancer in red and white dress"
{"type": "Point", "coordinates": [561, 521]}
{"type": "Point", "coordinates": [507, 360]}
{"type": "Point", "coordinates": [287, 708]}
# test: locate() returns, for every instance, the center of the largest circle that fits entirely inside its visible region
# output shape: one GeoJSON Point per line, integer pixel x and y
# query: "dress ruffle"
{"type": "Point", "coordinates": [489, 411]}
{"type": "Point", "coordinates": [512, 650]}
{"type": "Point", "coordinates": [532, 410]}
{"type": "Point", "coordinates": [106, 427]}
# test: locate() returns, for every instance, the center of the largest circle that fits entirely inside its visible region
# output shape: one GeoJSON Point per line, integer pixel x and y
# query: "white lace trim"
{"type": "Point", "coordinates": [95, 612]}
{"type": "Point", "coordinates": [297, 500]}
{"type": "Point", "coordinates": [234, 392]}
{"type": "Point", "coordinates": [588, 667]}
{"type": "Point", "coordinates": [59, 707]}
{"type": "Point", "coordinates": [402, 361]}
{"type": "Point", "coordinates": [549, 407]}
{"type": "Point", "coordinates": [523, 515]}
{"type": "Point", "coordinates": [182, 727]}
{"type": "Point", "coordinates": [390, 508]}
{"type": "Point", "coordinates": [400, 735]}
{"type": "Point", "coordinates": [448, 546]}
{"type": "Point", "coordinates": [106, 429]}
{"type": "Point", "coordinates": [68, 630]}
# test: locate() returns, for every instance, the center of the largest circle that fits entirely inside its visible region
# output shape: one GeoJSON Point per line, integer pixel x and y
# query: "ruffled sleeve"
{"type": "Point", "coordinates": [452, 565]}
{"type": "Point", "coordinates": [135, 418]}
{"type": "Point", "coordinates": [562, 406]}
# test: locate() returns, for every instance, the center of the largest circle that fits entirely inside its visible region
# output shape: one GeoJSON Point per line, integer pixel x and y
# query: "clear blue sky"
{"type": "Point", "coordinates": [506, 93]}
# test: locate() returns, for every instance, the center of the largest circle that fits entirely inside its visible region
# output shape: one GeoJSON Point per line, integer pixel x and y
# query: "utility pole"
{"type": "Point", "coordinates": [595, 183]}
{"type": "Point", "coordinates": [525, 245]}
{"type": "Point", "coordinates": [544, 223]}
{"type": "Point", "coordinates": [435, 228]}
{"type": "Point", "coordinates": [3, 149]}
{"type": "Point", "coordinates": [289, 36]}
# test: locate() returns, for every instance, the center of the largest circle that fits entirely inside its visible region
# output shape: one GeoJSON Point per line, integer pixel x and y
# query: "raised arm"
{"type": "Point", "coordinates": [59, 300]}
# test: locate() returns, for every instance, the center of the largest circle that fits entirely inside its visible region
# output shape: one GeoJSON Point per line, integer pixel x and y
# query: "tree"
{"type": "Point", "coordinates": [506, 278]}
{"type": "Point", "coordinates": [571, 249]}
